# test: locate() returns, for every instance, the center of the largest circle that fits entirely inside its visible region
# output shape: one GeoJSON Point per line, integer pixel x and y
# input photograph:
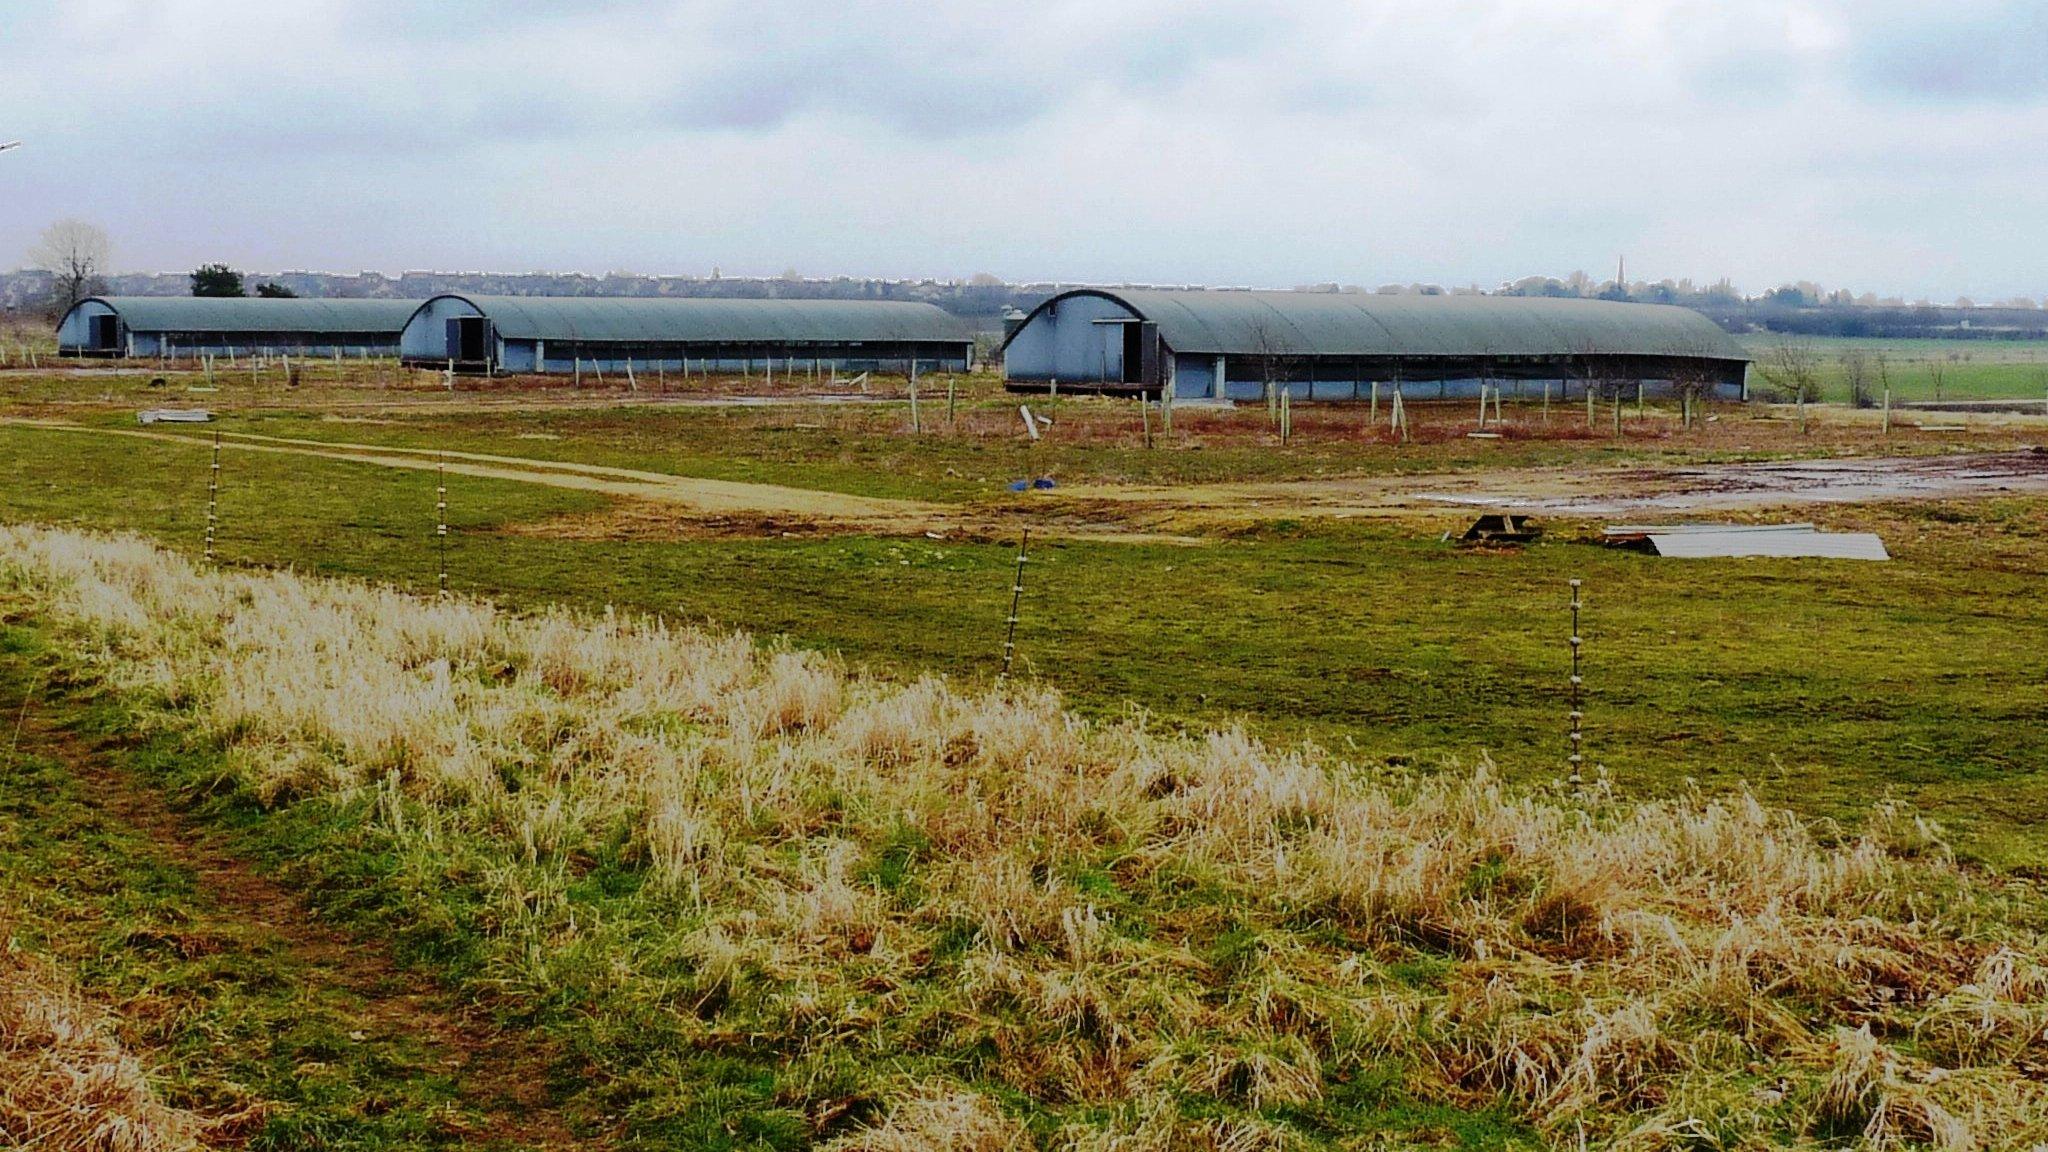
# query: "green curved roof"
{"type": "Point", "coordinates": [258, 314]}
{"type": "Point", "coordinates": [625, 319]}
{"type": "Point", "coordinates": [1347, 324]}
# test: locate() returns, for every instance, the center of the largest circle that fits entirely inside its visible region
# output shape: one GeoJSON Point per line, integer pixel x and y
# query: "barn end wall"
{"type": "Point", "coordinates": [1063, 342]}
{"type": "Point", "coordinates": [74, 332]}
{"type": "Point", "coordinates": [426, 335]}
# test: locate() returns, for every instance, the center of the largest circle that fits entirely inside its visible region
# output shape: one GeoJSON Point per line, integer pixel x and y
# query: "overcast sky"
{"type": "Point", "coordinates": [1876, 144]}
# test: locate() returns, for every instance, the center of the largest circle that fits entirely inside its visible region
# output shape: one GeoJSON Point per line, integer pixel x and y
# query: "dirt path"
{"type": "Point", "coordinates": [701, 496]}
{"type": "Point", "coordinates": [660, 504]}
{"type": "Point", "coordinates": [500, 1075]}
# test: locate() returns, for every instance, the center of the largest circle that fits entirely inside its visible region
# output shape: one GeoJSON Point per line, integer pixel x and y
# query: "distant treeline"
{"type": "Point", "coordinates": [1908, 321]}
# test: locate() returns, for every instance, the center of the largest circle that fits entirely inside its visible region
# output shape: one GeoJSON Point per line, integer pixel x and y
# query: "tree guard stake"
{"type": "Point", "coordinates": [1576, 758]}
{"type": "Point", "coordinates": [1016, 602]}
{"type": "Point", "coordinates": [213, 496]}
{"type": "Point", "coordinates": [441, 520]}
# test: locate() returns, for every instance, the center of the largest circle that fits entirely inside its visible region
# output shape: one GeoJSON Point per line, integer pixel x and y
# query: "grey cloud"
{"type": "Point", "coordinates": [1994, 54]}
{"type": "Point", "coordinates": [1326, 139]}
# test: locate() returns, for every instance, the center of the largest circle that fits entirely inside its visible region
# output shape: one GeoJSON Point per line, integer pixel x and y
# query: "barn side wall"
{"type": "Point", "coordinates": [317, 345]}
{"type": "Point", "coordinates": [890, 358]}
{"type": "Point", "coordinates": [1346, 378]}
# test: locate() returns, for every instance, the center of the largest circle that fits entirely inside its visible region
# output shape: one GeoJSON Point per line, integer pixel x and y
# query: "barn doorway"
{"type": "Point", "coordinates": [105, 334]}
{"type": "Point", "coordinates": [468, 339]}
{"type": "Point", "coordinates": [1141, 352]}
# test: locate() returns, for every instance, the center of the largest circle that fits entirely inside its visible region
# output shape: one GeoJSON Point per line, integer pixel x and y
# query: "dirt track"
{"type": "Point", "coordinates": [661, 504]}
{"type": "Point", "coordinates": [501, 1076]}
{"type": "Point", "coordinates": [713, 498]}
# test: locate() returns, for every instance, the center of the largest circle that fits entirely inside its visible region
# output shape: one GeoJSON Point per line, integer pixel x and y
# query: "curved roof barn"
{"type": "Point", "coordinates": [563, 333]}
{"type": "Point", "coordinates": [699, 319]}
{"type": "Point", "coordinates": [256, 313]}
{"type": "Point", "coordinates": [1110, 336]}
{"type": "Point", "coordinates": [1333, 324]}
{"type": "Point", "coordinates": [149, 325]}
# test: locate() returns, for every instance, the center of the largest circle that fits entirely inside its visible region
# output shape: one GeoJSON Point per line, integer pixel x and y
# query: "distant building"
{"type": "Point", "coordinates": [607, 333]}
{"type": "Point", "coordinates": [1323, 346]}
{"type": "Point", "coordinates": [231, 325]}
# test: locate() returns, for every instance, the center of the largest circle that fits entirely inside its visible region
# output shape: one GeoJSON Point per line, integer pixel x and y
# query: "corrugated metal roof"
{"type": "Point", "coordinates": [260, 314]}
{"type": "Point", "coordinates": [1356, 324]}
{"type": "Point", "coordinates": [698, 319]}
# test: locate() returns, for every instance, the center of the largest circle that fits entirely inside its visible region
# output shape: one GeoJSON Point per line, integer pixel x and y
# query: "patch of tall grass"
{"type": "Point", "coordinates": [951, 918]}
{"type": "Point", "coordinates": [65, 1080]}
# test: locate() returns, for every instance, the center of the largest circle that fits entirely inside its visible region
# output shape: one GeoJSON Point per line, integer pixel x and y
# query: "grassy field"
{"type": "Point", "coordinates": [1824, 685]}
{"type": "Point", "coordinates": [1926, 369]}
{"type": "Point", "coordinates": [671, 982]}
{"type": "Point", "coordinates": [754, 900]}
{"type": "Point", "coordinates": [863, 445]}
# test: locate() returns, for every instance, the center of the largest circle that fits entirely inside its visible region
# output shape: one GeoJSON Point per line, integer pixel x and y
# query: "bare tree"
{"type": "Point", "coordinates": [1276, 361]}
{"type": "Point", "coordinates": [1695, 374]}
{"type": "Point", "coordinates": [1856, 371]}
{"type": "Point", "coordinates": [1585, 363]}
{"type": "Point", "coordinates": [1936, 372]}
{"type": "Point", "coordinates": [1792, 369]}
{"type": "Point", "coordinates": [76, 253]}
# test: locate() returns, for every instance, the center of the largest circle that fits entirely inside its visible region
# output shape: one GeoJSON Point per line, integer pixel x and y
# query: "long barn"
{"type": "Point", "coordinates": [231, 325]}
{"type": "Point", "coordinates": [562, 334]}
{"type": "Point", "coordinates": [1238, 345]}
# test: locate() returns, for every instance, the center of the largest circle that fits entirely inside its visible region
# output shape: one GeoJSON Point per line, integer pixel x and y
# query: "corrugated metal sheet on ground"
{"type": "Point", "coordinates": [1704, 541]}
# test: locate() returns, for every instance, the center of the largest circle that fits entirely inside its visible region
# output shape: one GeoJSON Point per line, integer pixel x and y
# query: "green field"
{"type": "Point", "coordinates": [312, 929]}
{"type": "Point", "coordinates": [1824, 686]}
{"type": "Point", "coordinates": [375, 872]}
{"type": "Point", "coordinates": [1919, 369]}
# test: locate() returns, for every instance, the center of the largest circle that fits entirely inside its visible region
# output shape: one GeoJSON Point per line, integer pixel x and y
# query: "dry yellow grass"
{"type": "Point", "coordinates": [65, 1082]}
{"type": "Point", "coordinates": [1116, 921]}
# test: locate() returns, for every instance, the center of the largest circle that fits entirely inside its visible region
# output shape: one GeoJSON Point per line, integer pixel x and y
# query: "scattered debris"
{"type": "Point", "coordinates": [1482, 435]}
{"type": "Point", "coordinates": [1694, 541]}
{"type": "Point", "coordinates": [1041, 483]}
{"type": "Point", "coordinates": [173, 416]}
{"type": "Point", "coordinates": [1502, 528]}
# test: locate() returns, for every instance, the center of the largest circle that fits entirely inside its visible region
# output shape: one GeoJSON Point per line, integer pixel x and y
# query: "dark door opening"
{"type": "Point", "coordinates": [468, 339]}
{"type": "Point", "coordinates": [106, 332]}
{"type": "Point", "coordinates": [1141, 353]}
